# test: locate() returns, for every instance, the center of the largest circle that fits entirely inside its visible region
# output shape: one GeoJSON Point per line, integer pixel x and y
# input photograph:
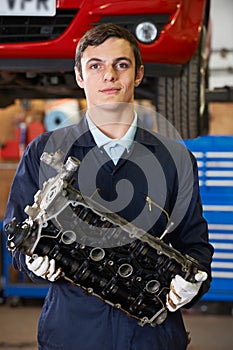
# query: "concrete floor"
{"type": "Point", "coordinates": [209, 331]}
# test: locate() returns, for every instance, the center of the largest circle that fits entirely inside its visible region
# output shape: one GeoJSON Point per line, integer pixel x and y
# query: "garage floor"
{"type": "Point", "coordinates": [211, 326]}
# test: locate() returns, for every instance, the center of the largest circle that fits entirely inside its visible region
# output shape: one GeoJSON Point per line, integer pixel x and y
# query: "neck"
{"type": "Point", "coordinates": [113, 120]}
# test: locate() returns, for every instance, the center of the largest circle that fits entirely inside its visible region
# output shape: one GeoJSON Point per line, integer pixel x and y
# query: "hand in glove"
{"type": "Point", "coordinates": [182, 291]}
{"type": "Point", "coordinates": [43, 267]}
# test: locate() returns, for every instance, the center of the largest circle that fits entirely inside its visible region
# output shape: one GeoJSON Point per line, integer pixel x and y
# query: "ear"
{"type": "Point", "coordinates": [139, 76]}
{"type": "Point", "coordinates": [79, 79]}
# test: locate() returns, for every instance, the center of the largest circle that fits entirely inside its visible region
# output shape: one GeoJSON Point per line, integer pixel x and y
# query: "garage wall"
{"type": "Point", "coordinates": [221, 59]}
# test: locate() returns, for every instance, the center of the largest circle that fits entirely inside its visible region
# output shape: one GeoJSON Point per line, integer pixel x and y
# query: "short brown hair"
{"type": "Point", "coordinates": [97, 35]}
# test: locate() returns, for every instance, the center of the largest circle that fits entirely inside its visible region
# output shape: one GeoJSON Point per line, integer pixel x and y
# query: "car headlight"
{"type": "Point", "coordinates": [146, 32]}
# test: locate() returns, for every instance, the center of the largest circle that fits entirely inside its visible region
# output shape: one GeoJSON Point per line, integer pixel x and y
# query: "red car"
{"type": "Point", "coordinates": [38, 40]}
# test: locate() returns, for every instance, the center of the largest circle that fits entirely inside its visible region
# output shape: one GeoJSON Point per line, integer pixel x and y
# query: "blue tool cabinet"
{"type": "Point", "coordinates": [214, 155]}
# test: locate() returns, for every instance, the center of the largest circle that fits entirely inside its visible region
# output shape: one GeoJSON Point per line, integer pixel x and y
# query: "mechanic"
{"type": "Point", "coordinates": [108, 67]}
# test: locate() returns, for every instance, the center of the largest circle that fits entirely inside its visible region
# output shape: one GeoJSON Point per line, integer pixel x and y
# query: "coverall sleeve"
{"type": "Point", "coordinates": [191, 235]}
{"type": "Point", "coordinates": [24, 186]}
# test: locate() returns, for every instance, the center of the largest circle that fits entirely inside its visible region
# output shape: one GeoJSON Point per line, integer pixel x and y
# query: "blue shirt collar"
{"type": "Point", "coordinates": [101, 139]}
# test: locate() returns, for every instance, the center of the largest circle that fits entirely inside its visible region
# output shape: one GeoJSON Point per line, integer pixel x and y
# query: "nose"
{"type": "Point", "coordinates": [110, 74]}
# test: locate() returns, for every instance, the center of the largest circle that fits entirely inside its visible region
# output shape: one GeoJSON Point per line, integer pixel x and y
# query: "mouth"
{"type": "Point", "coordinates": [110, 91]}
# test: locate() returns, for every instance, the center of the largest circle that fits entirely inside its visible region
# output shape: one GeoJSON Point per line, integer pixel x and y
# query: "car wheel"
{"type": "Point", "coordinates": [181, 100]}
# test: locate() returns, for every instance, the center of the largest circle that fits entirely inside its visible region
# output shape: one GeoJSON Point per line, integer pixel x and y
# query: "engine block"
{"type": "Point", "coordinates": [133, 276]}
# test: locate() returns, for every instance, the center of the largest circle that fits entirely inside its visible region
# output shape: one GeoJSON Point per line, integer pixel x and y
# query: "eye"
{"type": "Point", "coordinates": [122, 65]}
{"type": "Point", "coordinates": [95, 66]}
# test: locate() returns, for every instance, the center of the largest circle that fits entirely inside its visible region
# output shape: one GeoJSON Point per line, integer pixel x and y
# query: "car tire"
{"type": "Point", "coordinates": [181, 100]}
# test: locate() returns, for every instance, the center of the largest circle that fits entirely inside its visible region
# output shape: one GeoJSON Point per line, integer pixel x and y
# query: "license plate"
{"type": "Point", "coordinates": [28, 7]}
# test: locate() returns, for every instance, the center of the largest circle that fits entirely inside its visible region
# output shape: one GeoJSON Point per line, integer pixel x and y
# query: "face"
{"type": "Point", "coordinates": [108, 73]}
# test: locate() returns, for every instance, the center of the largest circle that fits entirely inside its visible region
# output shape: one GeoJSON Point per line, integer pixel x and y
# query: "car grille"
{"type": "Point", "coordinates": [19, 29]}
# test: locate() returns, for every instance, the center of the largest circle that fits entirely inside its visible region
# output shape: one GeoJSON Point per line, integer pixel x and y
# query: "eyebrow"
{"type": "Point", "coordinates": [95, 59]}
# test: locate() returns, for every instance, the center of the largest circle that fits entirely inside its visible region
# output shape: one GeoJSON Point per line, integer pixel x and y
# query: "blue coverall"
{"type": "Point", "coordinates": [71, 320]}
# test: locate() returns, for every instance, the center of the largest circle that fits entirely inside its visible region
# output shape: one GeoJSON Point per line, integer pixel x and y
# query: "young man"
{"type": "Point", "coordinates": [108, 67]}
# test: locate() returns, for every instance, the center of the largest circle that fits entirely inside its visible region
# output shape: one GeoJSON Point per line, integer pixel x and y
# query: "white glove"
{"type": "Point", "coordinates": [182, 291]}
{"type": "Point", "coordinates": [43, 267]}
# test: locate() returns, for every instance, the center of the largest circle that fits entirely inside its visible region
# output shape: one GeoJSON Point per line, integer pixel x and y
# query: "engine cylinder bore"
{"type": "Point", "coordinates": [97, 254]}
{"type": "Point", "coordinates": [68, 237]}
{"type": "Point", "coordinates": [125, 270]}
{"type": "Point", "coordinates": [152, 286]}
